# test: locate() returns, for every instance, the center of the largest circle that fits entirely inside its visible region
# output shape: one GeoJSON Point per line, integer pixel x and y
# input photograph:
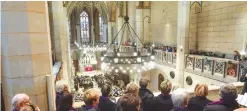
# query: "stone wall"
{"type": "Point", "coordinates": [26, 51]}
{"type": "Point", "coordinates": [164, 22]}
{"type": "Point", "coordinates": [220, 27]}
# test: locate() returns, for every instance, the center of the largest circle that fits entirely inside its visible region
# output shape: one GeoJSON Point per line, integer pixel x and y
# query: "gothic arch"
{"type": "Point", "coordinates": [80, 5]}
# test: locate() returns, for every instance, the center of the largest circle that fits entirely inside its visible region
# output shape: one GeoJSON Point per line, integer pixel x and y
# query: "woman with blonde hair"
{"type": "Point", "coordinates": [199, 101]}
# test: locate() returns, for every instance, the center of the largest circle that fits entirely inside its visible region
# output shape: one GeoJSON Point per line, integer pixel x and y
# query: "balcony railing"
{"type": "Point", "coordinates": [165, 58]}
{"type": "Point", "coordinates": [225, 70]}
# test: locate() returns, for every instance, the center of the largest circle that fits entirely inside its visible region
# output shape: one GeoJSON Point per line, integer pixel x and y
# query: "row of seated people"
{"type": "Point", "coordinates": [235, 56]}
{"type": "Point", "coordinates": [141, 99]}
{"type": "Point", "coordinates": [164, 48]}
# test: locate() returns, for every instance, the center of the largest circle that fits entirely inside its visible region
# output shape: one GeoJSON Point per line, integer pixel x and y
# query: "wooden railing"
{"type": "Point", "coordinates": [221, 69]}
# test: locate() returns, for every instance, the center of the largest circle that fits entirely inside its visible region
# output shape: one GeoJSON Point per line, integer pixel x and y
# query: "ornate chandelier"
{"type": "Point", "coordinates": [120, 58]}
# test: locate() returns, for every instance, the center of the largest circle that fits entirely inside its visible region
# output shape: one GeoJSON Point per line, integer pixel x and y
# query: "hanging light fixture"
{"type": "Point", "coordinates": [122, 60]}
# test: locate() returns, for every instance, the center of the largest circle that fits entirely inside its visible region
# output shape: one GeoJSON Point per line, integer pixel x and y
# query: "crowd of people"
{"type": "Point", "coordinates": [140, 98]}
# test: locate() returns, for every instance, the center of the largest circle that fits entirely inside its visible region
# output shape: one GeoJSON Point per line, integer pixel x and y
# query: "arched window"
{"type": "Point", "coordinates": [84, 26]}
{"type": "Point", "coordinates": [101, 29]}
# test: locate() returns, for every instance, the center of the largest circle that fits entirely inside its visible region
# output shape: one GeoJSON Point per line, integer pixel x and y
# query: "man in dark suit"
{"type": "Point", "coordinates": [105, 104]}
{"type": "Point", "coordinates": [163, 102]}
{"type": "Point", "coordinates": [145, 95]}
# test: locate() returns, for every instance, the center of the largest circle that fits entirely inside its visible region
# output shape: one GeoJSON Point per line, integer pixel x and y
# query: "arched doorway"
{"type": "Point", "coordinates": [156, 77]}
{"type": "Point", "coordinates": [161, 78]}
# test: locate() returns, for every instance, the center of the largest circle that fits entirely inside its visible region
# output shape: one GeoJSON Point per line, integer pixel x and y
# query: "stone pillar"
{"type": "Point", "coordinates": [105, 31]}
{"type": "Point", "coordinates": [92, 25]}
{"type": "Point", "coordinates": [78, 35]}
{"type": "Point", "coordinates": [142, 24]}
{"type": "Point", "coordinates": [110, 32]}
{"type": "Point", "coordinates": [26, 51]}
{"type": "Point", "coordinates": [132, 16]}
{"type": "Point", "coordinates": [60, 35]}
{"type": "Point", "coordinates": [120, 22]}
{"type": "Point", "coordinates": [182, 37]}
{"type": "Point", "coordinates": [139, 26]}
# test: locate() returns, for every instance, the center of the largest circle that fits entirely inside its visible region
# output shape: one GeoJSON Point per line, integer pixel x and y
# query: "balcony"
{"type": "Point", "coordinates": [221, 69]}
{"type": "Point", "coordinates": [165, 58]}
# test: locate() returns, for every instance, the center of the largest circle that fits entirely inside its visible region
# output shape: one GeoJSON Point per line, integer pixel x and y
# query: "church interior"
{"type": "Point", "coordinates": [88, 44]}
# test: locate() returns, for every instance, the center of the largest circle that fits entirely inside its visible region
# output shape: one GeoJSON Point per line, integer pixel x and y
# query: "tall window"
{"type": "Point", "coordinates": [84, 26]}
{"type": "Point", "coordinates": [101, 29]}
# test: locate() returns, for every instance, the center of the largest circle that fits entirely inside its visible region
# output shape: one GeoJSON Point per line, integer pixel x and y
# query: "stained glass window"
{"type": "Point", "coordinates": [84, 20]}
{"type": "Point", "coordinates": [101, 29]}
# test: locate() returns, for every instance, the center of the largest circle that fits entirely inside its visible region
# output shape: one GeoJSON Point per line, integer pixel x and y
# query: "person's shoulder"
{"type": "Point", "coordinates": [216, 107]}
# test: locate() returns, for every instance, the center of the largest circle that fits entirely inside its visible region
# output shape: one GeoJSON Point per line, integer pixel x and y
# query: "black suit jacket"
{"type": "Point", "coordinates": [162, 103]}
{"type": "Point", "coordinates": [197, 103]}
{"type": "Point", "coordinates": [146, 97]}
{"type": "Point", "coordinates": [105, 104]}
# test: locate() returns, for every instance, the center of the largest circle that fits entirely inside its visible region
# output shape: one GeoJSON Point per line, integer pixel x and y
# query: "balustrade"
{"type": "Point", "coordinates": [225, 70]}
{"type": "Point", "coordinates": [164, 57]}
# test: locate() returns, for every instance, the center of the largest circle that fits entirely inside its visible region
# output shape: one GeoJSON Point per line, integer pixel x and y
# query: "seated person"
{"type": "Point", "coordinates": [231, 70]}
{"type": "Point", "coordinates": [227, 102]}
{"type": "Point", "coordinates": [199, 101]}
{"type": "Point", "coordinates": [130, 102]}
{"type": "Point", "coordinates": [170, 49]}
{"type": "Point", "coordinates": [174, 49]}
{"type": "Point", "coordinates": [180, 100]}
{"type": "Point", "coordinates": [163, 101]}
{"type": "Point", "coordinates": [236, 56]}
{"type": "Point", "coordinates": [20, 100]}
{"type": "Point", "coordinates": [91, 100]}
{"type": "Point", "coordinates": [105, 104]}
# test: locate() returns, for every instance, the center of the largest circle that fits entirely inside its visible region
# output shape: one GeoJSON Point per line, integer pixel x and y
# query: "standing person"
{"type": "Point", "coordinates": [30, 108]}
{"type": "Point", "coordinates": [163, 102]}
{"type": "Point", "coordinates": [199, 101]}
{"type": "Point", "coordinates": [227, 102]}
{"type": "Point", "coordinates": [131, 88]}
{"type": "Point", "coordinates": [145, 95]}
{"type": "Point", "coordinates": [130, 102]}
{"type": "Point", "coordinates": [66, 103]}
{"type": "Point", "coordinates": [61, 86]}
{"type": "Point", "coordinates": [105, 104]}
{"type": "Point", "coordinates": [243, 78]}
{"type": "Point", "coordinates": [180, 100]}
{"type": "Point", "coordinates": [91, 100]}
{"type": "Point", "coordinates": [20, 100]}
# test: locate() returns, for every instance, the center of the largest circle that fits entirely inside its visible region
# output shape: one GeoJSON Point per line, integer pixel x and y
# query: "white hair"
{"type": "Point", "coordinates": [18, 98]}
{"type": "Point", "coordinates": [179, 96]}
{"type": "Point", "coordinates": [60, 85]}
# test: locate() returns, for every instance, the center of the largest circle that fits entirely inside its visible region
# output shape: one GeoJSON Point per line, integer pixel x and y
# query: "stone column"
{"type": "Point", "coordinates": [92, 25]}
{"type": "Point", "coordinates": [105, 33]}
{"type": "Point", "coordinates": [110, 32]}
{"type": "Point", "coordinates": [132, 16]}
{"type": "Point", "coordinates": [182, 37]}
{"type": "Point", "coordinates": [26, 51]}
{"type": "Point", "coordinates": [120, 22]}
{"type": "Point", "coordinates": [60, 35]}
{"type": "Point", "coordinates": [139, 26]}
